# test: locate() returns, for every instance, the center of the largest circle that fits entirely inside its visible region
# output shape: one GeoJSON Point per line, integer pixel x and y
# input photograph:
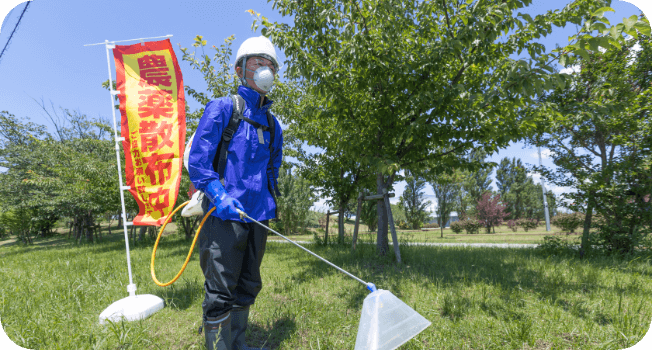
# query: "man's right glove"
{"type": "Point", "coordinates": [225, 205]}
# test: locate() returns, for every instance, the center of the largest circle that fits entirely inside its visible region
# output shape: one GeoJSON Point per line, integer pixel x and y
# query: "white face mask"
{"type": "Point", "coordinates": [263, 77]}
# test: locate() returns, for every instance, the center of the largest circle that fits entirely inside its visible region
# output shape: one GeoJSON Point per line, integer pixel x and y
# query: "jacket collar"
{"type": "Point", "coordinates": [252, 98]}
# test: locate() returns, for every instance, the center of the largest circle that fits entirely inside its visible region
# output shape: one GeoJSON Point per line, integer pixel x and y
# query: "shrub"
{"type": "Point", "coordinates": [433, 225]}
{"type": "Point", "coordinates": [457, 227]}
{"type": "Point", "coordinates": [527, 224]}
{"type": "Point", "coordinates": [403, 225]}
{"type": "Point", "coordinates": [568, 222]}
{"type": "Point", "coordinates": [512, 225]}
{"type": "Point", "coordinates": [618, 239]}
{"type": "Point", "coordinates": [471, 226]}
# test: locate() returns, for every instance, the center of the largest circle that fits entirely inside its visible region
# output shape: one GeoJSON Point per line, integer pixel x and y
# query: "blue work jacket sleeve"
{"type": "Point", "coordinates": [207, 138]}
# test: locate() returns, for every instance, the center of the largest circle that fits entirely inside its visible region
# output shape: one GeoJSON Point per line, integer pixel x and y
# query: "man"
{"type": "Point", "coordinates": [231, 250]}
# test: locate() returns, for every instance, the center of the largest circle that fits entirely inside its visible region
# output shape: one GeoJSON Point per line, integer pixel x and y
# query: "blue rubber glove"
{"type": "Point", "coordinates": [224, 204]}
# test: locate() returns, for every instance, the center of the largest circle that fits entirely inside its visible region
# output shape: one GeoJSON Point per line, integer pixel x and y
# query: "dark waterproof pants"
{"type": "Point", "coordinates": [230, 256]}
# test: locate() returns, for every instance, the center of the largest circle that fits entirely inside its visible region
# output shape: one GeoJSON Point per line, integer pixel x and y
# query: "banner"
{"type": "Point", "coordinates": [153, 112]}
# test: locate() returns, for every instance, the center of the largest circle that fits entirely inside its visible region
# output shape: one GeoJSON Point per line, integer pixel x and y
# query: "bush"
{"type": "Point", "coordinates": [527, 224]}
{"type": "Point", "coordinates": [433, 225]}
{"type": "Point", "coordinates": [568, 222]}
{"type": "Point", "coordinates": [617, 239]}
{"type": "Point", "coordinates": [471, 226]}
{"type": "Point", "coordinates": [276, 225]}
{"type": "Point", "coordinates": [512, 225]}
{"type": "Point", "coordinates": [457, 227]}
{"type": "Point", "coordinates": [403, 225]}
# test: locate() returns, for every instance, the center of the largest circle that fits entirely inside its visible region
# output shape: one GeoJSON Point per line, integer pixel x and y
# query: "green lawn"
{"type": "Point", "coordinates": [483, 298]}
{"type": "Point", "coordinates": [503, 235]}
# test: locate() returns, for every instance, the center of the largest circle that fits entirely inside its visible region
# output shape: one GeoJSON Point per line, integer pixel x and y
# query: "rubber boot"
{"type": "Point", "coordinates": [217, 331]}
{"type": "Point", "coordinates": [239, 322]}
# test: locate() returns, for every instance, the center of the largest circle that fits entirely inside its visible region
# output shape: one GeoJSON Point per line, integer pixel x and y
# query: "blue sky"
{"type": "Point", "coordinates": [47, 59]}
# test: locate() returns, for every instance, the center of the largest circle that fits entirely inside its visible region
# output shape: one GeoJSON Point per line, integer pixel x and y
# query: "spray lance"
{"type": "Point", "coordinates": [370, 286]}
{"type": "Point", "coordinates": [386, 322]}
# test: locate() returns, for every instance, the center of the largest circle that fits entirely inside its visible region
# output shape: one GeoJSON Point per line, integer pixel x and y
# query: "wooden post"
{"type": "Point", "coordinates": [357, 220]}
{"type": "Point", "coordinates": [397, 252]}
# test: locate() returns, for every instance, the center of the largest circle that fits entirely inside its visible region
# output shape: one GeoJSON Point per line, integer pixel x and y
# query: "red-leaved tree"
{"type": "Point", "coordinates": [490, 211]}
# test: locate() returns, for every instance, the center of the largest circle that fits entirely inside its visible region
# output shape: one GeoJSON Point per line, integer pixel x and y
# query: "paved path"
{"type": "Point", "coordinates": [471, 245]}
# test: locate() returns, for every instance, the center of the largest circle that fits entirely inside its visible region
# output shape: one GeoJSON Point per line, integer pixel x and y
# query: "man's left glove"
{"type": "Point", "coordinates": [224, 204]}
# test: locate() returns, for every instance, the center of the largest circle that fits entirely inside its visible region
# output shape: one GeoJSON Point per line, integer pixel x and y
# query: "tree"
{"type": "Point", "coordinates": [413, 202]}
{"type": "Point", "coordinates": [446, 188]}
{"type": "Point", "coordinates": [598, 131]}
{"type": "Point", "coordinates": [335, 177]}
{"type": "Point", "coordinates": [478, 182]}
{"type": "Point", "coordinates": [297, 196]}
{"type": "Point", "coordinates": [490, 211]}
{"type": "Point", "coordinates": [368, 213]}
{"type": "Point", "coordinates": [71, 173]}
{"type": "Point", "coordinates": [392, 82]}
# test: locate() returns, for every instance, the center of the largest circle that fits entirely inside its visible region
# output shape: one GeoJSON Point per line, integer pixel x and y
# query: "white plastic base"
{"type": "Point", "coordinates": [132, 308]}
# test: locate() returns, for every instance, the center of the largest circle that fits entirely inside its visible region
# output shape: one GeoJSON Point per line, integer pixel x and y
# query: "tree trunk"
{"type": "Point", "coordinates": [110, 219]}
{"type": "Point", "coordinates": [89, 226]}
{"type": "Point", "coordinates": [340, 224]}
{"type": "Point", "coordinates": [141, 232]}
{"type": "Point", "coordinates": [120, 219]}
{"type": "Point", "coordinates": [382, 243]}
{"type": "Point", "coordinates": [328, 219]}
{"type": "Point", "coordinates": [586, 245]}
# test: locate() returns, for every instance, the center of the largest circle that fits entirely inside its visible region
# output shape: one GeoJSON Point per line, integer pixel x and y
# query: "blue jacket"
{"type": "Point", "coordinates": [246, 174]}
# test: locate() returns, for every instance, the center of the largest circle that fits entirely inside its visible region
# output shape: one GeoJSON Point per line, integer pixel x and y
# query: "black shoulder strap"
{"type": "Point", "coordinates": [219, 162]}
{"type": "Point", "coordinates": [272, 127]}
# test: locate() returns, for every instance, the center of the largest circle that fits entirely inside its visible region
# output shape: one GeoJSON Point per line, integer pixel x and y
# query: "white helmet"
{"type": "Point", "coordinates": [257, 46]}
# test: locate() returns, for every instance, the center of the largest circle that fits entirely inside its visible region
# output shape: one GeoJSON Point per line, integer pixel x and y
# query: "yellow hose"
{"type": "Point", "coordinates": [189, 253]}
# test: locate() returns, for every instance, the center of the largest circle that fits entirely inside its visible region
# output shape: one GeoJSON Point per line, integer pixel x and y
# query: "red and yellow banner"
{"type": "Point", "coordinates": [153, 112]}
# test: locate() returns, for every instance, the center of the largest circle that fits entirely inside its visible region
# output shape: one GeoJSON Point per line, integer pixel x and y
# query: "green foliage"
{"type": "Point", "coordinates": [568, 222]}
{"type": "Point", "coordinates": [71, 173]}
{"type": "Point", "coordinates": [614, 240]}
{"type": "Point", "coordinates": [527, 224]}
{"type": "Point", "coordinates": [471, 226]}
{"type": "Point", "coordinates": [524, 198]}
{"type": "Point", "coordinates": [478, 182]}
{"type": "Point", "coordinates": [297, 196]}
{"type": "Point", "coordinates": [413, 203]}
{"type": "Point", "coordinates": [457, 226]}
{"type": "Point", "coordinates": [369, 214]}
{"type": "Point", "coordinates": [598, 128]}
{"type": "Point", "coordinates": [447, 190]}
{"type": "Point", "coordinates": [383, 81]}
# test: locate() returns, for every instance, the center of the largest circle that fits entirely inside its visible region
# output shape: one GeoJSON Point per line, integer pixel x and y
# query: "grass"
{"type": "Point", "coordinates": [483, 298]}
{"type": "Point", "coordinates": [503, 235]}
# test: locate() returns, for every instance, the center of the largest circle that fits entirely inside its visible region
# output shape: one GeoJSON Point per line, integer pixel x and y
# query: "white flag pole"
{"type": "Point", "coordinates": [134, 307]}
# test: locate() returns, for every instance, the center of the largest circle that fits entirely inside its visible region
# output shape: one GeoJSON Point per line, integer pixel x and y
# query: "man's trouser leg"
{"type": "Point", "coordinates": [249, 284]}
{"type": "Point", "coordinates": [230, 256]}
